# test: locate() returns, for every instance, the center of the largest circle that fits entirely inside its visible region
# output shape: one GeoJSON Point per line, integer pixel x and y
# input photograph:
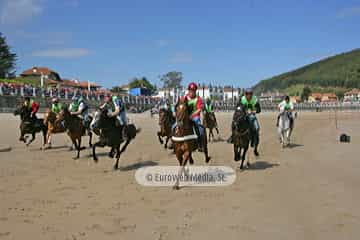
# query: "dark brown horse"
{"type": "Point", "coordinates": [75, 128]}
{"type": "Point", "coordinates": [30, 126]}
{"type": "Point", "coordinates": [210, 122]}
{"type": "Point", "coordinates": [112, 135]}
{"type": "Point", "coordinates": [166, 120]}
{"type": "Point", "coordinates": [240, 134]}
{"type": "Point", "coordinates": [185, 140]}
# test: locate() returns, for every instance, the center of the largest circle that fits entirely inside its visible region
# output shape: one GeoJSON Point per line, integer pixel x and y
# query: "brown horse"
{"type": "Point", "coordinates": [54, 126]}
{"type": "Point", "coordinates": [185, 139]}
{"type": "Point", "coordinates": [209, 121]}
{"type": "Point", "coordinates": [75, 128]}
{"type": "Point", "coordinates": [166, 120]}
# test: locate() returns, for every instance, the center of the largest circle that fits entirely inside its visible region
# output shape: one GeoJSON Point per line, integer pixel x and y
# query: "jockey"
{"type": "Point", "coordinates": [251, 105]}
{"type": "Point", "coordinates": [196, 104]}
{"type": "Point", "coordinates": [210, 109]}
{"type": "Point", "coordinates": [56, 106]}
{"type": "Point", "coordinates": [209, 106]}
{"type": "Point", "coordinates": [79, 108]}
{"type": "Point", "coordinates": [31, 106]}
{"type": "Point", "coordinates": [117, 109]}
{"type": "Point", "coordinates": [286, 105]}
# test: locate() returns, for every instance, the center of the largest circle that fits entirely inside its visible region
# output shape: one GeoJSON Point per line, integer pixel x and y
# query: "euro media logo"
{"type": "Point", "coordinates": [199, 176]}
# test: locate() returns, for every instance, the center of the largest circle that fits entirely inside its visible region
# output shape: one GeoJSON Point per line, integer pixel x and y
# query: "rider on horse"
{"type": "Point", "coordinates": [79, 108]}
{"type": "Point", "coordinates": [32, 107]}
{"type": "Point", "coordinates": [251, 105]}
{"type": "Point", "coordinates": [209, 108]}
{"type": "Point", "coordinates": [56, 106]}
{"type": "Point", "coordinates": [286, 105]}
{"type": "Point", "coordinates": [196, 104]}
{"type": "Point", "coordinates": [117, 109]}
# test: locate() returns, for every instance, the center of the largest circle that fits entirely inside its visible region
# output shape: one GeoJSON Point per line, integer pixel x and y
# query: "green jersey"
{"type": "Point", "coordinates": [56, 107]}
{"type": "Point", "coordinates": [209, 107]}
{"type": "Point", "coordinates": [249, 104]}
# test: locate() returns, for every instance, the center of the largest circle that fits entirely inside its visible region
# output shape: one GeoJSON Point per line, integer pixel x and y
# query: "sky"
{"type": "Point", "coordinates": [225, 42]}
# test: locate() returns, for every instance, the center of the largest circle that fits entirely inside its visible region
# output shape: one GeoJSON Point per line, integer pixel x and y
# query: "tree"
{"type": "Point", "coordinates": [142, 83]}
{"type": "Point", "coordinates": [172, 79]}
{"type": "Point", "coordinates": [7, 59]}
{"type": "Point", "coordinates": [305, 93]}
{"type": "Point", "coordinates": [117, 90]}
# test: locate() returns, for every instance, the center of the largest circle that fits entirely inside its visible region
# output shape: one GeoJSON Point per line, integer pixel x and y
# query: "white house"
{"type": "Point", "coordinates": [231, 94]}
{"type": "Point", "coordinates": [352, 96]}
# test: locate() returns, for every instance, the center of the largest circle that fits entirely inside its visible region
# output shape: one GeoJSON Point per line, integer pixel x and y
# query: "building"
{"type": "Point", "coordinates": [231, 94]}
{"type": "Point", "coordinates": [41, 72]}
{"type": "Point", "coordinates": [352, 96]}
{"type": "Point", "coordinates": [322, 97]}
{"type": "Point", "coordinates": [81, 85]}
{"type": "Point", "coordinates": [271, 97]}
{"type": "Point", "coordinates": [139, 92]}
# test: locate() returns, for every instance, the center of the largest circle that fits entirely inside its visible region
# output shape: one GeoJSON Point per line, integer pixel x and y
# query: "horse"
{"type": "Point", "coordinates": [240, 134]}
{"type": "Point", "coordinates": [112, 135]}
{"type": "Point", "coordinates": [209, 121]}
{"type": "Point", "coordinates": [285, 127]}
{"type": "Point", "coordinates": [184, 138]}
{"type": "Point", "coordinates": [54, 126]}
{"type": "Point", "coordinates": [29, 126]}
{"type": "Point", "coordinates": [166, 120]}
{"type": "Point", "coordinates": [75, 128]}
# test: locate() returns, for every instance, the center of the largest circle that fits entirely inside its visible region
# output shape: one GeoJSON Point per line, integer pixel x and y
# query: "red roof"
{"type": "Point", "coordinates": [38, 71]}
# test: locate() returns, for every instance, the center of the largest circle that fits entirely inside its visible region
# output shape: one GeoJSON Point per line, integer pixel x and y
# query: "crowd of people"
{"type": "Point", "coordinates": [25, 90]}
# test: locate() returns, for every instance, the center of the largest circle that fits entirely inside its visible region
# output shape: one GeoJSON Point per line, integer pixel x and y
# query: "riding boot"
{"type": "Point", "coordinates": [199, 142]}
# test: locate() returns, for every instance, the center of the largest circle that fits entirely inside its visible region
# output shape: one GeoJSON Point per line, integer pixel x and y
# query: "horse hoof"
{"type": "Point", "coordinates": [256, 153]}
{"type": "Point", "coordinates": [176, 187]}
{"type": "Point", "coordinates": [208, 159]}
{"type": "Point", "coordinates": [248, 164]}
{"type": "Point", "coordinates": [76, 158]}
{"type": "Point", "coordinates": [191, 161]}
{"type": "Point", "coordinates": [116, 167]}
{"type": "Point", "coordinates": [96, 160]}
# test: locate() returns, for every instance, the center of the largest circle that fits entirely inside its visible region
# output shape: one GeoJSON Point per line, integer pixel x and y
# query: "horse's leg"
{"type": "Point", "coordinates": [49, 136]}
{"type": "Point", "coordinates": [73, 140]}
{"type": "Point", "coordinates": [183, 161]}
{"type": "Point", "coordinates": [207, 157]}
{"type": "Point", "coordinates": [160, 139]}
{"type": "Point", "coordinates": [236, 157]}
{"type": "Point", "coordinates": [116, 166]}
{"type": "Point", "coordinates": [244, 155]}
{"type": "Point", "coordinates": [217, 130]}
{"type": "Point", "coordinates": [78, 148]}
{"type": "Point", "coordinates": [166, 141]}
{"type": "Point", "coordinates": [44, 132]}
{"type": "Point", "coordinates": [90, 137]}
{"type": "Point", "coordinates": [32, 139]}
{"type": "Point", "coordinates": [191, 160]}
{"type": "Point", "coordinates": [95, 158]}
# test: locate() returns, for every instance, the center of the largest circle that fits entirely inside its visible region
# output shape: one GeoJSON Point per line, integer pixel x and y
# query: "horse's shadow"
{"type": "Point", "coordinates": [262, 165]}
{"type": "Point", "coordinates": [294, 145]}
{"type": "Point", "coordinates": [138, 165]}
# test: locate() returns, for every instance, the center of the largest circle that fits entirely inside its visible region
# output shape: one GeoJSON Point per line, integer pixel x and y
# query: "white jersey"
{"type": "Point", "coordinates": [286, 106]}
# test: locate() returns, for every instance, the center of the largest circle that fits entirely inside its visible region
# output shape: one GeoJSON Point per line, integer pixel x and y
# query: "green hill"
{"type": "Point", "coordinates": [335, 74]}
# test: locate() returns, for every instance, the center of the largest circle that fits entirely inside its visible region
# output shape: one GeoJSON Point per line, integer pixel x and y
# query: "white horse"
{"type": "Point", "coordinates": [285, 127]}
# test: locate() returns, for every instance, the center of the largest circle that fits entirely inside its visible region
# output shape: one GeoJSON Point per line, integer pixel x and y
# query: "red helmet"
{"type": "Point", "coordinates": [192, 86]}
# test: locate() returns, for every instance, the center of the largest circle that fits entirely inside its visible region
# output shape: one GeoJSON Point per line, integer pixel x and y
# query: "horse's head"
{"type": "Point", "coordinates": [24, 113]}
{"type": "Point", "coordinates": [164, 116]}
{"type": "Point", "coordinates": [182, 114]}
{"type": "Point", "coordinates": [64, 114]}
{"type": "Point", "coordinates": [49, 117]}
{"type": "Point", "coordinates": [240, 113]}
